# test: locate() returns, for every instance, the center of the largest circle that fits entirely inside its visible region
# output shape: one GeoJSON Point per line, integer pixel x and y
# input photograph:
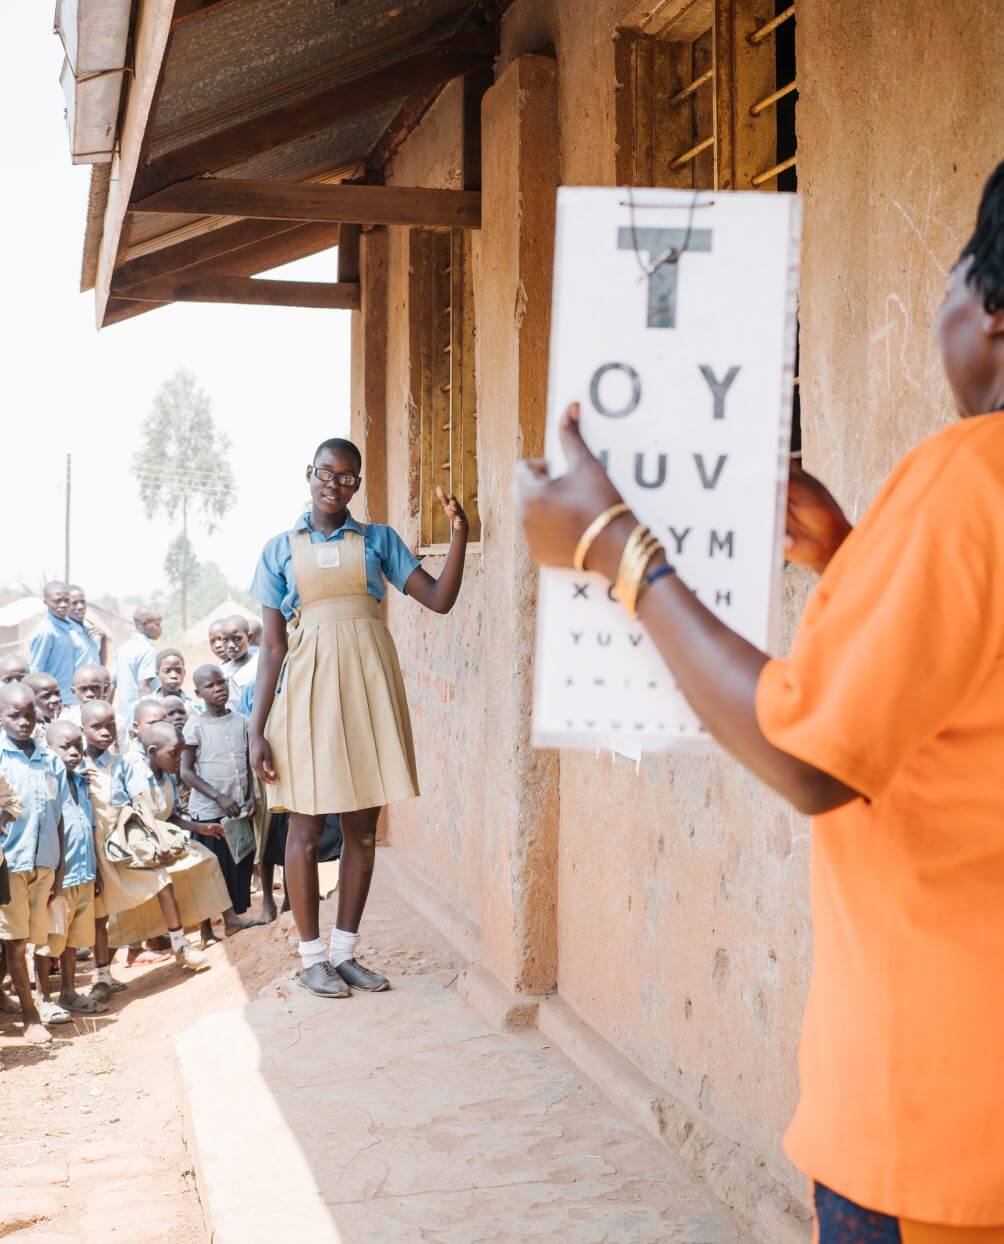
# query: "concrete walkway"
{"type": "Point", "coordinates": [402, 1117]}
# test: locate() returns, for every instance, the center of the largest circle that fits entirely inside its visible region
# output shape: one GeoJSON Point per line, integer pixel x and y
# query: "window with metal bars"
{"type": "Point", "coordinates": [706, 99]}
{"type": "Point", "coordinates": [706, 96]}
{"type": "Point", "coordinates": [443, 387]}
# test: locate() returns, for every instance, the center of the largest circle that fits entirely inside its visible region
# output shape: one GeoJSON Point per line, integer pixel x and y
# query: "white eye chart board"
{"type": "Point", "coordinates": [684, 374]}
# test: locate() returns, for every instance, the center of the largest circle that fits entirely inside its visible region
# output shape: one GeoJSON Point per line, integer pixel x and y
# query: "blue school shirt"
{"type": "Point", "coordinates": [132, 777]}
{"type": "Point", "coordinates": [387, 557]}
{"type": "Point", "coordinates": [78, 833]}
{"type": "Point", "coordinates": [135, 661]}
{"type": "Point", "coordinates": [32, 841]}
{"type": "Point", "coordinates": [53, 651]}
{"type": "Point", "coordinates": [246, 705]}
{"type": "Point", "coordinates": [86, 650]}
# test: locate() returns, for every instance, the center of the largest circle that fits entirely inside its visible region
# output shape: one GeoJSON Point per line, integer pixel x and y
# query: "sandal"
{"type": "Point", "coordinates": [86, 1004]}
{"type": "Point", "coordinates": [103, 990]}
{"type": "Point", "coordinates": [53, 1013]}
{"type": "Point", "coordinates": [146, 957]}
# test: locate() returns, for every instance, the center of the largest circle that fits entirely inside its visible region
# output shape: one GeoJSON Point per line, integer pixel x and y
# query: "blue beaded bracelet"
{"type": "Point", "coordinates": [661, 573]}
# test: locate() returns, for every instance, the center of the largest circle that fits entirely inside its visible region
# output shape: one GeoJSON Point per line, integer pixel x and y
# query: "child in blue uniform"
{"type": "Point", "coordinates": [33, 843]}
{"type": "Point", "coordinates": [52, 649]}
{"type": "Point", "coordinates": [78, 890]}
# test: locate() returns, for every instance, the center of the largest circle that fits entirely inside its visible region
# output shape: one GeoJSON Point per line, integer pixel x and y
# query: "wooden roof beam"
{"type": "Point", "coordinates": [246, 290]}
{"type": "Point", "coordinates": [453, 58]}
{"type": "Point", "coordinates": [152, 31]}
{"type": "Point", "coordinates": [191, 251]}
{"type": "Point", "coordinates": [270, 252]}
{"type": "Point", "coordinates": [305, 201]}
{"type": "Point", "coordinates": [190, 10]}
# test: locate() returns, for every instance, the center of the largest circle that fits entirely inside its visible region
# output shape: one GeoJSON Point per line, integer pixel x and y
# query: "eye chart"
{"type": "Point", "coordinates": [674, 324]}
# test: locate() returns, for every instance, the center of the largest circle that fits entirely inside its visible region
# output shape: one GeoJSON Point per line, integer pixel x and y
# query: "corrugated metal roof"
{"type": "Point", "coordinates": [240, 60]}
{"type": "Point", "coordinates": [248, 57]}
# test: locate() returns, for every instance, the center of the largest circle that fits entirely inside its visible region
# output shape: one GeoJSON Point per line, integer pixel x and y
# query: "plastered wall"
{"type": "Point", "coordinates": [670, 907]}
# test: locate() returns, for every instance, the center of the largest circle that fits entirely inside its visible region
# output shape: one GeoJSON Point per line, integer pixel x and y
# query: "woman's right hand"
{"type": "Point", "coordinates": [816, 525]}
{"type": "Point", "coordinates": [261, 759]}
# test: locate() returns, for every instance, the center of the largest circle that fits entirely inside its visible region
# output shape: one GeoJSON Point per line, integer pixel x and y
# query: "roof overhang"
{"type": "Point", "coordinates": [254, 133]}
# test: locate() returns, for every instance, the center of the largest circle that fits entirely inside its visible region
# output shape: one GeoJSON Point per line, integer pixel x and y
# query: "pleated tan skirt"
{"type": "Point", "coordinates": [339, 729]}
{"type": "Point", "coordinates": [198, 886]}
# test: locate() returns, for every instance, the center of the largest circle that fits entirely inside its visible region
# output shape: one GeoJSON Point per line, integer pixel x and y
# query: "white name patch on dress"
{"type": "Point", "coordinates": [329, 556]}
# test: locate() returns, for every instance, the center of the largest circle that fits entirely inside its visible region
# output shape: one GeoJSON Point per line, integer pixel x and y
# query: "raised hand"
{"type": "Point", "coordinates": [453, 510]}
{"type": "Point", "coordinates": [555, 512]}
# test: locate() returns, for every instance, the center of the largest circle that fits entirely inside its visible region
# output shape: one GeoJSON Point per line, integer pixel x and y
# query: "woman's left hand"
{"type": "Point", "coordinates": [454, 510]}
{"type": "Point", "coordinates": [555, 512]}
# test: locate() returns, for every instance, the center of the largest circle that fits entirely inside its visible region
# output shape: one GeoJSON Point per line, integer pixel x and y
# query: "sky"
{"type": "Point", "coordinates": [278, 377]}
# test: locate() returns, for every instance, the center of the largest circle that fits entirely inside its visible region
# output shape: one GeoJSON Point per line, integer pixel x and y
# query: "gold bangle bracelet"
{"type": "Point", "coordinates": [641, 547]}
{"type": "Point", "coordinates": [588, 538]}
{"type": "Point", "coordinates": [629, 559]}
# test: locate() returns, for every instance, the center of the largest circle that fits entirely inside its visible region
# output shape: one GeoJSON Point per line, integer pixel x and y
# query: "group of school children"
{"type": "Point", "coordinates": [128, 811]}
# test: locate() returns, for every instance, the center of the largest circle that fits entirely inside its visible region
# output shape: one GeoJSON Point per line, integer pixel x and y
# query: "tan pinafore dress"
{"type": "Point", "coordinates": [339, 728]}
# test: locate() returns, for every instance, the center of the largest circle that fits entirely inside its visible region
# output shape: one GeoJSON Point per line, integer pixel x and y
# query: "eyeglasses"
{"type": "Point", "coordinates": [327, 476]}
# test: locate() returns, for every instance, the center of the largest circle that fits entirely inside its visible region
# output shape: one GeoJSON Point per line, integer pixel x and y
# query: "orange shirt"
{"type": "Point", "coordinates": [895, 685]}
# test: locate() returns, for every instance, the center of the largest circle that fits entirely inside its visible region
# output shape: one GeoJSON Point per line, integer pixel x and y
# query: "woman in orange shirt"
{"type": "Point", "coordinates": [886, 724]}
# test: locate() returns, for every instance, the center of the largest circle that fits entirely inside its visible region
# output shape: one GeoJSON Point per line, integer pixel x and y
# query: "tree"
{"type": "Point", "coordinates": [182, 471]}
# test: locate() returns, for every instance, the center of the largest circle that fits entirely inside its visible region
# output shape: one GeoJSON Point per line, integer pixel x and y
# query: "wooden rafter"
{"type": "Point", "coordinates": [405, 122]}
{"type": "Point", "coordinates": [195, 250]}
{"type": "Point", "coordinates": [242, 142]}
{"type": "Point", "coordinates": [350, 204]}
{"type": "Point", "coordinates": [248, 260]}
{"type": "Point", "coordinates": [348, 253]}
{"type": "Point", "coordinates": [153, 29]}
{"type": "Point", "coordinates": [247, 290]}
{"type": "Point", "coordinates": [191, 10]}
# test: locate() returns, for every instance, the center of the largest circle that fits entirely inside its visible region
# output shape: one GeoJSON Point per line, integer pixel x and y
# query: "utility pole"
{"type": "Point", "coordinates": [66, 564]}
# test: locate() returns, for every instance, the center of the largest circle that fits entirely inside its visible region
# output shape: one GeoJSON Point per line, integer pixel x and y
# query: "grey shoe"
{"type": "Point", "coordinates": [353, 973]}
{"type": "Point", "coordinates": [322, 980]}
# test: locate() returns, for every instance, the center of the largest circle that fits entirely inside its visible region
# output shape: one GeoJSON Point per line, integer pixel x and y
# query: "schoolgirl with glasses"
{"type": "Point", "coordinates": [330, 730]}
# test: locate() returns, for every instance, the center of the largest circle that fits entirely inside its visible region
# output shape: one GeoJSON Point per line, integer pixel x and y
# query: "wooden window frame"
{"type": "Point", "coordinates": [443, 379]}
{"type": "Point", "coordinates": [696, 92]}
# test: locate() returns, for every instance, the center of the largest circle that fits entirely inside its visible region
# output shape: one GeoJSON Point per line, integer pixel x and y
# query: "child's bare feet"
{"type": "Point", "coordinates": [9, 1005]}
{"type": "Point", "coordinates": [206, 935]}
{"type": "Point", "coordinates": [36, 1033]}
{"type": "Point", "coordinates": [237, 924]}
{"type": "Point", "coordinates": [269, 911]}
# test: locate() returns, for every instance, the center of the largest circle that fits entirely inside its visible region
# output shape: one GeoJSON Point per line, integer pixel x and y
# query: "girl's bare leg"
{"type": "Point", "coordinates": [355, 869]}
{"type": "Point", "coordinates": [301, 872]}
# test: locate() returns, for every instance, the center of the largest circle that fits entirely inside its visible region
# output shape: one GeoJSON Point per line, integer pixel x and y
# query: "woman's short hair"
{"type": "Point", "coordinates": [986, 246]}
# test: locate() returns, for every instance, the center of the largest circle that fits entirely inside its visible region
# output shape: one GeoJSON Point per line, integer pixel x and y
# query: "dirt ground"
{"type": "Point", "coordinates": [90, 1134]}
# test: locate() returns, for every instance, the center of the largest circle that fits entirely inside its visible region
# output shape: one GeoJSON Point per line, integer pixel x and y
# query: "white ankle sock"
{"type": "Point", "coordinates": [343, 946]}
{"type": "Point", "coordinates": [103, 975]}
{"type": "Point", "coordinates": [177, 937]}
{"type": "Point", "coordinates": [312, 952]}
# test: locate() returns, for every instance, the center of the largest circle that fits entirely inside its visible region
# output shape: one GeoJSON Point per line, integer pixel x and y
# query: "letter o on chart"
{"type": "Point", "coordinates": [633, 379]}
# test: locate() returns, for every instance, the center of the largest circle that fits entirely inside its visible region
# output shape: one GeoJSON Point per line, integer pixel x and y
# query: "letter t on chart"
{"type": "Point", "coordinates": [656, 245]}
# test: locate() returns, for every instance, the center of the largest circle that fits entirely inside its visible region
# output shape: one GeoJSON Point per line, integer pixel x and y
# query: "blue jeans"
{"type": "Point", "coordinates": [842, 1222]}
